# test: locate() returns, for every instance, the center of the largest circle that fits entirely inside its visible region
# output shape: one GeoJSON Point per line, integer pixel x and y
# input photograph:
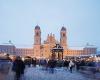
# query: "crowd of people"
{"type": "Point", "coordinates": [48, 64]}
{"type": "Point", "coordinates": [19, 65]}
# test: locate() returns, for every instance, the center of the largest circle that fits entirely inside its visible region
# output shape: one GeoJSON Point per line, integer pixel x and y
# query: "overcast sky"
{"type": "Point", "coordinates": [19, 17]}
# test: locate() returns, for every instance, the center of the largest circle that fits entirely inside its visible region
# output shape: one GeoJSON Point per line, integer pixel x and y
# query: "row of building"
{"type": "Point", "coordinates": [44, 50]}
{"type": "Point", "coordinates": [12, 50]}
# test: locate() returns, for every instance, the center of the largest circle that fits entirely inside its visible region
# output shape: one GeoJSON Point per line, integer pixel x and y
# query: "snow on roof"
{"type": "Point", "coordinates": [90, 46]}
{"type": "Point", "coordinates": [76, 48]}
{"type": "Point", "coordinates": [7, 44]}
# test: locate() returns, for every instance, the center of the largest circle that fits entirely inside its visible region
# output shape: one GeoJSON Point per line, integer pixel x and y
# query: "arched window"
{"type": "Point", "coordinates": [37, 34]}
{"type": "Point", "coordinates": [63, 35]}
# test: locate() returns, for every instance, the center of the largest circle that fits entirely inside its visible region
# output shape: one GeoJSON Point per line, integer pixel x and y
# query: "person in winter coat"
{"type": "Point", "coordinates": [71, 65]}
{"type": "Point", "coordinates": [78, 64]}
{"type": "Point", "coordinates": [34, 62]}
{"type": "Point", "coordinates": [18, 67]}
{"type": "Point", "coordinates": [66, 64]}
{"type": "Point", "coordinates": [52, 65]}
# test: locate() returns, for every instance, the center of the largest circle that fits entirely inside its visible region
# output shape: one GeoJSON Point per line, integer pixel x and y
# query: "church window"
{"type": "Point", "coordinates": [63, 35]}
{"type": "Point", "coordinates": [37, 34]}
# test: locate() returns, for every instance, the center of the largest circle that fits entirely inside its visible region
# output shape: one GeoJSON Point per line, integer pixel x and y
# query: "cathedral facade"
{"type": "Point", "coordinates": [44, 50]}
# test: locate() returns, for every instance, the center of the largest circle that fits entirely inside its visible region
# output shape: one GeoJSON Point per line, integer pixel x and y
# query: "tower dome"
{"type": "Point", "coordinates": [37, 27]}
{"type": "Point", "coordinates": [63, 29]}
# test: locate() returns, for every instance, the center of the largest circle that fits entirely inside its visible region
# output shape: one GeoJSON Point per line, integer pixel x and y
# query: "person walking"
{"type": "Point", "coordinates": [52, 65]}
{"type": "Point", "coordinates": [66, 64]}
{"type": "Point", "coordinates": [18, 67]}
{"type": "Point", "coordinates": [34, 62]}
{"type": "Point", "coordinates": [71, 65]}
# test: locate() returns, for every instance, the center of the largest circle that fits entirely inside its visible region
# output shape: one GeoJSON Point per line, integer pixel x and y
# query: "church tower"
{"type": "Point", "coordinates": [37, 41]}
{"type": "Point", "coordinates": [63, 38]}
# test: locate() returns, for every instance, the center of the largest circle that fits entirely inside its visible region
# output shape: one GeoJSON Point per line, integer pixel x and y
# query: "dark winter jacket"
{"type": "Point", "coordinates": [18, 66]}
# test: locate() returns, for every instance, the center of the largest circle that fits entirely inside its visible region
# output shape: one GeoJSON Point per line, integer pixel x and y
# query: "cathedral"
{"type": "Point", "coordinates": [44, 50]}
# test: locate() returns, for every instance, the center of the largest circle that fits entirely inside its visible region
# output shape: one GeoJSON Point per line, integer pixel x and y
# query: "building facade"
{"type": "Point", "coordinates": [44, 50]}
{"type": "Point", "coordinates": [8, 48]}
{"type": "Point", "coordinates": [24, 52]}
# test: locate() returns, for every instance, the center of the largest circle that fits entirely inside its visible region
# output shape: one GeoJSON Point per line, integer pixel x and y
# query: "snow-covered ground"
{"type": "Point", "coordinates": [37, 73]}
{"type": "Point", "coordinates": [59, 74]}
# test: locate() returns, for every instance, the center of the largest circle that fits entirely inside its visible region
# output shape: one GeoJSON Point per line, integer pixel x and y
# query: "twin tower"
{"type": "Point", "coordinates": [38, 51]}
